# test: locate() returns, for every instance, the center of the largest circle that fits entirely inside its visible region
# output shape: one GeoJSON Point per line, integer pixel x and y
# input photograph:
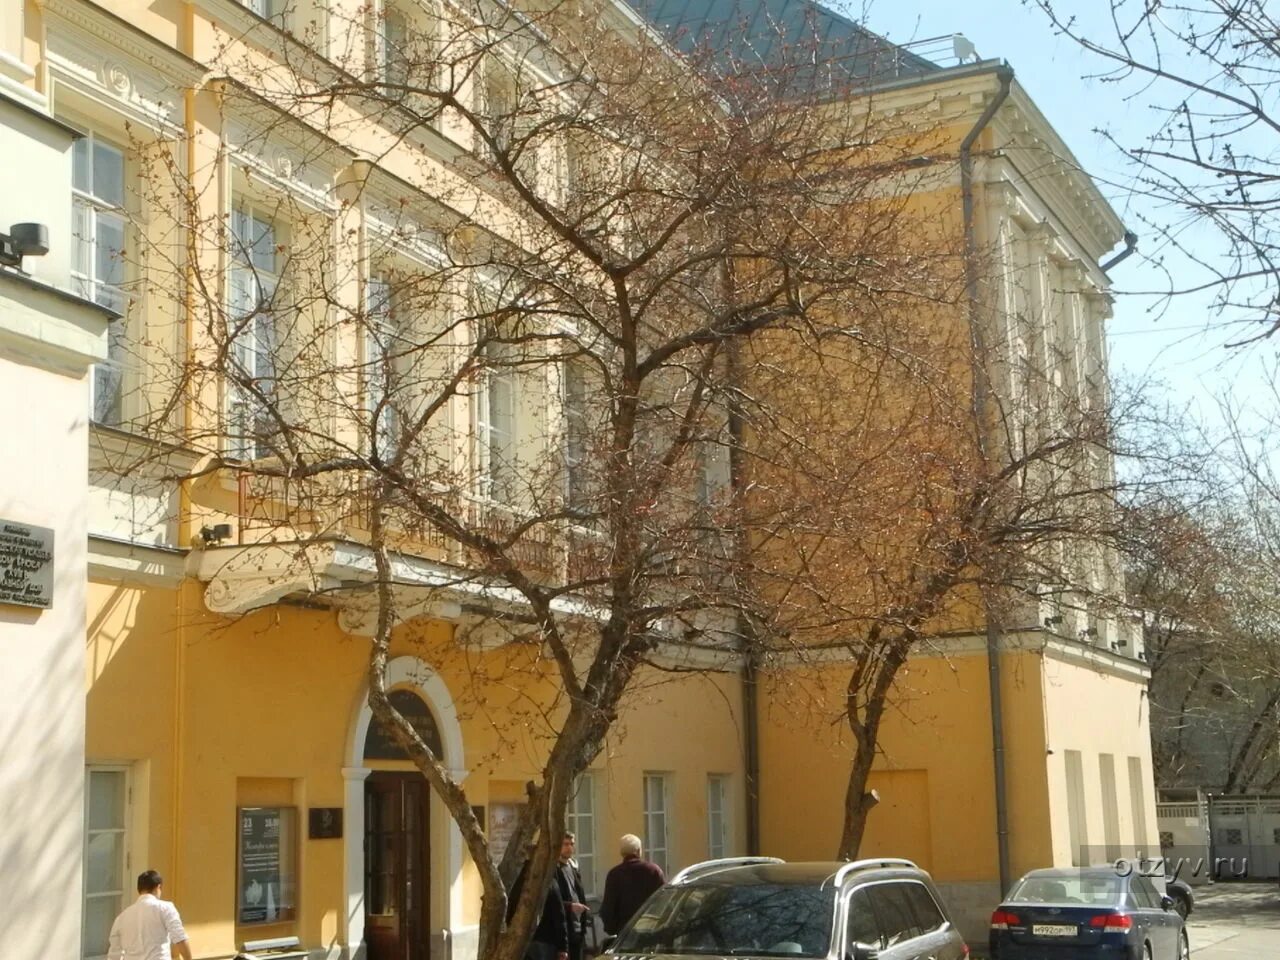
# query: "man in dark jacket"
{"type": "Point", "coordinates": [551, 937]}
{"type": "Point", "coordinates": [628, 885]}
{"type": "Point", "coordinates": [569, 883]}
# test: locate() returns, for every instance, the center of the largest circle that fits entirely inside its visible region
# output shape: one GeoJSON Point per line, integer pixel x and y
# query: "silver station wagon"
{"type": "Point", "coordinates": [764, 907]}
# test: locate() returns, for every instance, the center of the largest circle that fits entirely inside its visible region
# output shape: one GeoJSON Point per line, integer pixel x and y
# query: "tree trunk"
{"type": "Point", "coordinates": [864, 723]}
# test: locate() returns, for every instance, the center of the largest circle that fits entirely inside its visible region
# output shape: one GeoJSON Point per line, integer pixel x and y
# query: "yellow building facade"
{"type": "Point", "coordinates": [228, 739]}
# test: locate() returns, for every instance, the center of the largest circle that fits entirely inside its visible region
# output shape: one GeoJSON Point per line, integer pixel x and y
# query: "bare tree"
{"type": "Point", "coordinates": [1205, 70]}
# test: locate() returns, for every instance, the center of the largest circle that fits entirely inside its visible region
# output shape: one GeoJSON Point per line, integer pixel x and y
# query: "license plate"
{"type": "Point", "coordinates": [1053, 929]}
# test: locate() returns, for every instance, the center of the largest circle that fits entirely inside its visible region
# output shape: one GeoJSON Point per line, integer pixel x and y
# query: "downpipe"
{"type": "Point", "coordinates": [981, 411]}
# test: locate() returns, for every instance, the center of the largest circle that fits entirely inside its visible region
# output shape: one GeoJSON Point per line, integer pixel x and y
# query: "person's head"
{"type": "Point", "coordinates": [568, 843]}
{"type": "Point", "coordinates": [630, 845]}
{"type": "Point", "coordinates": [149, 881]}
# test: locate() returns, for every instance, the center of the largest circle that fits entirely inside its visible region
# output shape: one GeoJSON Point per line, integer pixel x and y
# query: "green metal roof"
{"type": "Point", "coordinates": [776, 36]}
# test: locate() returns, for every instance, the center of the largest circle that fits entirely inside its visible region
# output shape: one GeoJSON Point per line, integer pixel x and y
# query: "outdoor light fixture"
{"type": "Point", "coordinates": [1088, 632]}
{"type": "Point", "coordinates": [23, 240]}
{"type": "Point", "coordinates": [212, 536]}
{"type": "Point", "coordinates": [1053, 621]}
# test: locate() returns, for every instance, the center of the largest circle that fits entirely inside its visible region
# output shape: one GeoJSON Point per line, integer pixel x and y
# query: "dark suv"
{"type": "Point", "coordinates": [764, 907]}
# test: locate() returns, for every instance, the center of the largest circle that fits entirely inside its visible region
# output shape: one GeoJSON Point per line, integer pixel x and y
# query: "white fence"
{"type": "Point", "coordinates": [1240, 835]}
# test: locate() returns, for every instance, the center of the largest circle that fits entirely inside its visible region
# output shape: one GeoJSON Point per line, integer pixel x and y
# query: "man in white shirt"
{"type": "Point", "coordinates": [145, 929]}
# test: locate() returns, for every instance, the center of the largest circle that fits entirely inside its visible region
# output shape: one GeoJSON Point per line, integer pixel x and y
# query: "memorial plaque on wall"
{"type": "Point", "coordinates": [324, 823]}
{"type": "Point", "coordinates": [380, 744]}
{"type": "Point", "coordinates": [26, 565]}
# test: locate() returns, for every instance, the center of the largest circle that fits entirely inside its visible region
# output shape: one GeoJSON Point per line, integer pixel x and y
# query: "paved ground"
{"type": "Point", "coordinates": [1235, 921]}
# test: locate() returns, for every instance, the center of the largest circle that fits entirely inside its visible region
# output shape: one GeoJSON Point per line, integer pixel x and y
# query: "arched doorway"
{"type": "Point", "coordinates": [418, 692]}
{"type": "Point", "coordinates": [397, 840]}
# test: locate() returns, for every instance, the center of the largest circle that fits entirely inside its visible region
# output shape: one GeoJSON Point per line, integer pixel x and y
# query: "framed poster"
{"type": "Point", "coordinates": [503, 818]}
{"type": "Point", "coordinates": [266, 864]}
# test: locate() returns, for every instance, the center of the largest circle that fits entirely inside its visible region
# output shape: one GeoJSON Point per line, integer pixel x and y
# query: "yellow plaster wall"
{"type": "Point", "coordinates": [264, 716]}
{"type": "Point", "coordinates": [936, 752]}
{"type": "Point", "coordinates": [686, 726]}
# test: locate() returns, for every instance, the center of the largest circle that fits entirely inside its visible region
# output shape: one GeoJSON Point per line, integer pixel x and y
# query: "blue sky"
{"type": "Point", "coordinates": [1169, 345]}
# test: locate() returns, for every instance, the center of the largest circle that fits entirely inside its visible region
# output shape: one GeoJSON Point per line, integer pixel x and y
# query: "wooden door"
{"type": "Point", "coordinates": [397, 883]}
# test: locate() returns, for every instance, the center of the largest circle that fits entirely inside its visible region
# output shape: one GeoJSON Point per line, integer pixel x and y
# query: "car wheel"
{"type": "Point", "coordinates": [1184, 946]}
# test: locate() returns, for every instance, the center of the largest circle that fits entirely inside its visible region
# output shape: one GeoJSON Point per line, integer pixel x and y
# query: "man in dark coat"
{"type": "Point", "coordinates": [551, 936]}
{"type": "Point", "coordinates": [628, 885]}
{"type": "Point", "coordinates": [569, 883]}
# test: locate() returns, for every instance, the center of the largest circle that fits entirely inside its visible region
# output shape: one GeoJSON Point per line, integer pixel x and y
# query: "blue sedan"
{"type": "Point", "coordinates": [1087, 913]}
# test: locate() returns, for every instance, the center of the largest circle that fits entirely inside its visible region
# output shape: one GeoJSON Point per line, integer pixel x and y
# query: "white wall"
{"type": "Point", "coordinates": [47, 341]}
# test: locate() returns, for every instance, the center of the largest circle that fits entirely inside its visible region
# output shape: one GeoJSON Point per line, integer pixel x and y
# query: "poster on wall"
{"type": "Point", "coordinates": [266, 859]}
{"type": "Point", "coordinates": [503, 818]}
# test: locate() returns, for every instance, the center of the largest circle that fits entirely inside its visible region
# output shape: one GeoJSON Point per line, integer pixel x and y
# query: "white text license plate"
{"type": "Point", "coordinates": [1053, 929]}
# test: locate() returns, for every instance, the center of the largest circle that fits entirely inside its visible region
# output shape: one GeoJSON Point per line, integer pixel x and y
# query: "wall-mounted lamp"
{"type": "Point", "coordinates": [213, 536]}
{"type": "Point", "coordinates": [1055, 621]}
{"type": "Point", "coordinates": [23, 240]}
{"type": "Point", "coordinates": [1088, 632]}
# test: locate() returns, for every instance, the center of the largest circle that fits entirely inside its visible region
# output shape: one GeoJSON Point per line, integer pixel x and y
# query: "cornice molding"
{"type": "Point", "coordinates": [123, 39]}
{"type": "Point", "coordinates": [135, 563]}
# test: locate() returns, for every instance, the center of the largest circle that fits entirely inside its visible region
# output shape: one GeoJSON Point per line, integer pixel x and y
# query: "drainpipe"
{"type": "Point", "coordinates": [981, 387]}
{"type": "Point", "coordinates": [1130, 245]}
{"type": "Point", "coordinates": [750, 665]}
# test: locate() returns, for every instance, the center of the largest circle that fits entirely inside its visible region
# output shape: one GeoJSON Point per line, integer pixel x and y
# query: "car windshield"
{"type": "Point", "coordinates": [1098, 891]}
{"type": "Point", "coordinates": [759, 920]}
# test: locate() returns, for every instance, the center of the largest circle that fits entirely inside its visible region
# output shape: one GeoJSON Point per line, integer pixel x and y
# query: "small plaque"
{"type": "Point", "coordinates": [26, 565]}
{"type": "Point", "coordinates": [325, 823]}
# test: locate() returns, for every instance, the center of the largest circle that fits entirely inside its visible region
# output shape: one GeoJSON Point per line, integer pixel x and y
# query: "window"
{"type": "Point", "coordinates": [266, 865]}
{"type": "Point", "coordinates": [382, 349]}
{"type": "Point", "coordinates": [97, 257]}
{"type": "Point", "coordinates": [893, 910]}
{"type": "Point", "coordinates": [496, 424]}
{"type": "Point", "coordinates": [924, 908]}
{"type": "Point", "coordinates": [576, 438]}
{"type": "Point", "coordinates": [862, 927]}
{"type": "Point", "coordinates": [656, 827]}
{"type": "Point", "coordinates": [722, 919]}
{"type": "Point", "coordinates": [105, 854]}
{"type": "Point", "coordinates": [276, 11]}
{"type": "Point", "coordinates": [1144, 892]}
{"type": "Point", "coordinates": [1103, 889]}
{"type": "Point", "coordinates": [252, 329]}
{"type": "Point", "coordinates": [393, 44]}
{"type": "Point", "coordinates": [717, 816]}
{"type": "Point", "coordinates": [580, 819]}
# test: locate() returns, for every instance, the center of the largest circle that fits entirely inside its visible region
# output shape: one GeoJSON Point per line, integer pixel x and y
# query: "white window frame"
{"type": "Point", "coordinates": [718, 821]}
{"type": "Point", "coordinates": [253, 348]}
{"type": "Point", "coordinates": [90, 211]}
{"type": "Point", "coordinates": [122, 831]}
{"type": "Point", "coordinates": [577, 434]}
{"type": "Point", "coordinates": [498, 443]}
{"type": "Point", "coordinates": [275, 12]}
{"type": "Point", "coordinates": [393, 20]}
{"type": "Point", "coordinates": [580, 820]}
{"type": "Point", "coordinates": [382, 334]}
{"type": "Point", "coordinates": [657, 818]}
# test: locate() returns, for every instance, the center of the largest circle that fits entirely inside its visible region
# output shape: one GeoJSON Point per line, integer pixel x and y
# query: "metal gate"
{"type": "Point", "coordinates": [1240, 835]}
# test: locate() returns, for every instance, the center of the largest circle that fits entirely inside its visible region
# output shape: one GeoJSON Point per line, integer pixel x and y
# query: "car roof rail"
{"type": "Point", "coordinates": [710, 866]}
{"type": "Point", "coordinates": [855, 865]}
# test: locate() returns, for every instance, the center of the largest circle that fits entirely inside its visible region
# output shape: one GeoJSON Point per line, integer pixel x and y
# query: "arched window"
{"type": "Point", "coordinates": [379, 744]}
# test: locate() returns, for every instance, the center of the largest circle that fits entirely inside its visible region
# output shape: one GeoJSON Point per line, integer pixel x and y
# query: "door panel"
{"type": "Point", "coordinates": [397, 882]}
